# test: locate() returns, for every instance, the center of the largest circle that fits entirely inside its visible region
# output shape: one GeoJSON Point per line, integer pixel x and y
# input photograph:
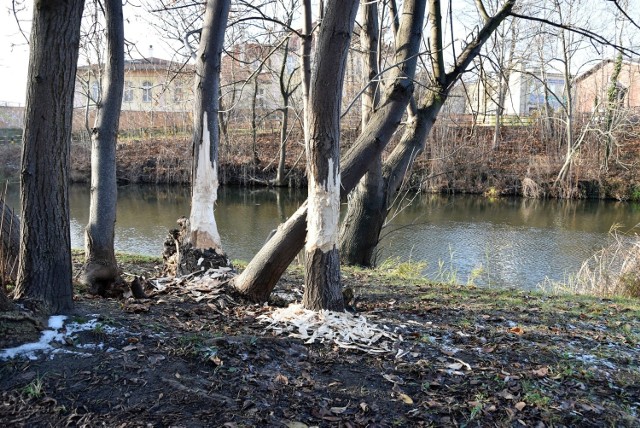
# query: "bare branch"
{"type": "Point", "coordinates": [579, 30]}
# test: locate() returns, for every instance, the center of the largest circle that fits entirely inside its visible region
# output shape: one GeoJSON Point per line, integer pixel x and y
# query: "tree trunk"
{"type": "Point", "coordinates": [44, 274]}
{"type": "Point", "coordinates": [5, 303]}
{"type": "Point", "coordinates": [254, 124]}
{"type": "Point", "coordinates": [101, 269]}
{"type": "Point", "coordinates": [370, 202]}
{"type": "Point", "coordinates": [284, 79]}
{"type": "Point", "coordinates": [612, 106]}
{"type": "Point", "coordinates": [371, 184]}
{"type": "Point", "coordinates": [10, 243]}
{"type": "Point", "coordinates": [369, 36]}
{"type": "Point", "coordinates": [283, 143]}
{"type": "Point", "coordinates": [322, 262]}
{"type": "Point", "coordinates": [206, 136]}
{"type": "Point", "coordinates": [264, 270]}
{"type": "Point", "coordinates": [363, 221]}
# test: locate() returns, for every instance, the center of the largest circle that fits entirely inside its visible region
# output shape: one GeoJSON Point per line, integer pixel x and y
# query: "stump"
{"type": "Point", "coordinates": [181, 258]}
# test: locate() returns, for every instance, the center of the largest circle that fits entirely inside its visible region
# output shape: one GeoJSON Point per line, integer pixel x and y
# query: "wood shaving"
{"type": "Point", "coordinates": [207, 286]}
{"type": "Point", "coordinates": [341, 328]}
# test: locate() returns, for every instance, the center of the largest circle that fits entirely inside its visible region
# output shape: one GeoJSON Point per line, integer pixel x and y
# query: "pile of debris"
{"type": "Point", "coordinates": [344, 329]}
{"type": "Point", "coordinates": [180, 258]}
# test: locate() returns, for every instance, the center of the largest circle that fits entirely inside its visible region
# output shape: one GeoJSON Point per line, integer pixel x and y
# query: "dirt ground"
{"type": "Point", "coordinates": [458, 356]}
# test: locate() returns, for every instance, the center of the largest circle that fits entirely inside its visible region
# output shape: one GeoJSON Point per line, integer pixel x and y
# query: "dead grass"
{"type": "Point", "coordinates": [614, 270]}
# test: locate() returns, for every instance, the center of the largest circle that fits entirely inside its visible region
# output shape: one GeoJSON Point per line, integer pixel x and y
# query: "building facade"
{"type": "Point", "coordinates": [592, 87]}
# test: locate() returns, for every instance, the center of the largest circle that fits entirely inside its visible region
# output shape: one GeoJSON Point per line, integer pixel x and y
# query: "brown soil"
{"type": "Point", "coordinates": [468, 357]}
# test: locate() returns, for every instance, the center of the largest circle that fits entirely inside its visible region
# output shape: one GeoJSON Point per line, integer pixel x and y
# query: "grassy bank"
{"type": "Point", "coordinates": [455, 356]}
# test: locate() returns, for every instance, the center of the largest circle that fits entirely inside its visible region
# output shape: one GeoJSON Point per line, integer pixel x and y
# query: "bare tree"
{"type": "Point", "coordinates": [100, 267]}
{"type": "Point", "coordinates": [264, 270]}
{"type": "Point", "coordinates": [287, 88]}
{"type": "Point", "coordinates": [206, 137]}
{"type": "Point", "coordinates": [44, 273]}
{"type": "Point", "coordinates": [322, 262]}
{"type": "Point", "coordinates": [371, 184]}
{"type": "Point", "coordinates": [368, 209]}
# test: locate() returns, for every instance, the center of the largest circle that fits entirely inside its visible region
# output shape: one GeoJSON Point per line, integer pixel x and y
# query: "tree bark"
{"type": "Point", "coordinates": [5, 303]}
{"type": "Point", "coordinates": [369, 37]}
{"type": "Point", "coordinates": [206, 136]}
{"type": "Point", "coordinates": [284, 127]}
{"type": "Point", "coordinates": [44, 273]}
{"type": "Point", "coordinates": [101, 269]}
{"type": "Point", "coordinates": [363, 221]}
{"type": "Point", "coordinates": [284, 79]}
{"type": "Point", "coordinates": [264, 270]}
{"type": "Point", "coordinates": [369, 203]}
{"type": "Point", "coordinates": [371, 184]}
{"type": "Point", "coordinates": [10, 243]}
{"type": "Point", "coordinates": [322, 262]}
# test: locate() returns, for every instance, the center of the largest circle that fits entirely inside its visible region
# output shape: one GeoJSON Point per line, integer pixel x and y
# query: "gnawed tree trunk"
{"type": "Point", "coordinates": [100, 270]}
{"type": "Point", "coordinates": [264, 270]}
{"type": "Point", "coordinates": [322, 262]}
{"type": "Point", "coordinates": [44, 273]}
{"type": "Point", "coordinates": [370, 202]}
{"type": "Point", "coordinates": [10, 243]}
{"type": "Point", "coordinates": [206, 137]}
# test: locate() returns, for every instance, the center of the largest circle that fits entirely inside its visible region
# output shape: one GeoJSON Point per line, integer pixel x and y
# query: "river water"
{"type": "Point", "coordinates": [503, 242]}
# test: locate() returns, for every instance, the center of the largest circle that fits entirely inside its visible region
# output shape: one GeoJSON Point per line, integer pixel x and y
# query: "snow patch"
{"type": "Point", "coordinates": [56, 335]}
{"type": "Point", "coordinates": [29, 350]}
{"type": "Point", "coordinates": [323, 213]}
{"type": "Point", "coordinates": [204, 232]}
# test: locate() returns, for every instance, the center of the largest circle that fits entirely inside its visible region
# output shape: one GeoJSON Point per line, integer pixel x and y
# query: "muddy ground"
{"type": "Point", "coordinates": [460, 356]}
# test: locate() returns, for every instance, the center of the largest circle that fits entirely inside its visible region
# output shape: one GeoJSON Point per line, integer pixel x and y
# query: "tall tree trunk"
{"type": "Point", "coordinates": [369, 36]}
{"type": "Point", "coordinates": [44, 273]}
{"type": "Point", "coordinates": [356, 245]}
{"type": "Point", "coordinates": [284, 79]}
{"type": "Point", "coordinates": [206, 135]}
{"type": "Point", "coordinates": [564, 174]}
{"type": "Point", "coordinates": [322, 262]}
{"type": "Point", "coordinates": [264, 270]}
{"type": "Point", "coordinates": [369, 203]}
{"type": "Point", "coordinates": [284, 129]}
{"type": "Point", "coordinates": [254, 124]}
{"type": "Point", "coordinates": [100, 267]}
{"type": "Point", "coordinates": [613, 104]}
{"type": "Point", "coordinates": [10, 242]}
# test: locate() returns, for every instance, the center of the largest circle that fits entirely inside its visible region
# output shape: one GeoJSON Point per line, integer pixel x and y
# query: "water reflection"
{"type": "Point", "coordinates": [508, 241]}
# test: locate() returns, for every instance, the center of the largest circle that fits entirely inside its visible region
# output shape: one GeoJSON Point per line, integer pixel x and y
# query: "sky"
{"type": "Point", "coordinates": [14, 50]}
{"type": "Point", "coordinates": [14, 55]}
{"type": "Point", "coordinates": [14, 59]}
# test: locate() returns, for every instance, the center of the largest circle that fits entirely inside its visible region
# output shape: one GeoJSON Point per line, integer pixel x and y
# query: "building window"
{"type": "Point", "coordinates": [146, 91]}
{"type": "Point", "coordinates": [178, 94]}
{"type": "Point", "coordinates": [95, 91]}
{"type": "Point", "coordinates": [128, 92]}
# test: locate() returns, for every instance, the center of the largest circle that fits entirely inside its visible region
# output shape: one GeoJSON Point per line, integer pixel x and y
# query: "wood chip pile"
{"type": "Point", "coordinates": [344, 329]}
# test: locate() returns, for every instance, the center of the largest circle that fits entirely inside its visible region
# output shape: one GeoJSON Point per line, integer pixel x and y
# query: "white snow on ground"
{"type": "Point", "coordinates": [57, 334]}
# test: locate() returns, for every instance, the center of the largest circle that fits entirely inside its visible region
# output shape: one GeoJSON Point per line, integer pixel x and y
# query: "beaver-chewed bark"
{"type": "Point", "coordinates": [180, 257]}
